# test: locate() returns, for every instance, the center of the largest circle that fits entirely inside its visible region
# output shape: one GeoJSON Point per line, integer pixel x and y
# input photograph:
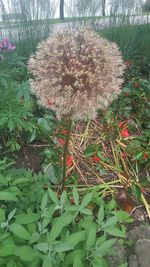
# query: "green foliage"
{"type": "Point", "coordinates": [39, 229]}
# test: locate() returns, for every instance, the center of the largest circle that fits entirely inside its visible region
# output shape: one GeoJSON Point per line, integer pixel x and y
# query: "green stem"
{"type": "Point", "coordinates": [65, 153]}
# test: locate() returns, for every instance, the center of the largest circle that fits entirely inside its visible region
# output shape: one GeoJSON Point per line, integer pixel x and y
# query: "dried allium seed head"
{"type": "Point", "coordinates": [76, 72]}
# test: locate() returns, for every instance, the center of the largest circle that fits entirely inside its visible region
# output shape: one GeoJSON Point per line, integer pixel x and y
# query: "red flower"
{"type": "Point", "coordinates": [61, 141]}
{"type": "Point", "coordinates": [126, 94]}
{"type": "Point", "coordinates": [95, 158]}
{"type": "Point", "coordinates": [50, 102]}
{"type": "Point", "coordinates": [136, 84]}
{"type": "Point", "coordinates": [64, 132]}
{"type": "Point", "coordinates": [120, 124]}
{"type": "Point", "coordinates": [125, 132]}
{"type": "Point", "coordinates": [69, 161]}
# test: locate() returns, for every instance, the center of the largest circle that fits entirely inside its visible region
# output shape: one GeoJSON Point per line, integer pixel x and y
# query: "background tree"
{"type": "Point", "coordinates": [146, 6]}
{"type": "Point", "coordinates": [62, 9]}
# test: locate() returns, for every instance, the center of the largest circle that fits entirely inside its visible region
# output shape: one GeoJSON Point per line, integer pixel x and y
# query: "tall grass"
{"type": "Point", "coordinates": [133, 40]}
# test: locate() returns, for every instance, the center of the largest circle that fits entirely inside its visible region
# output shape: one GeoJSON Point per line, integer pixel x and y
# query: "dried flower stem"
{"type": "Point", "coordinates": [65, 153]}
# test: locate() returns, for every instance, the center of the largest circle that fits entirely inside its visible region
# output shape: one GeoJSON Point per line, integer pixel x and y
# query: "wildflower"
{"type": "Point", "coordinates": [6, 45]}
{"type": "Point", "coordinates": [79, 70]}
{"type": "Point", "coordinates": [145, 156]}
{"type": "Point", "coordinates": [125, 132]}
{"type": "Point", "coordinates": [69, 161]}
{"type": "Point", "coordinates": [61, 141]}
{"type": "Point", "coordinates": [95, 158]}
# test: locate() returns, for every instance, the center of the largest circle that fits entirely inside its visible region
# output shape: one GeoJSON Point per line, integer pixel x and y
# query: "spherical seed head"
{"type": "Point", "coordinates": [76, 72]}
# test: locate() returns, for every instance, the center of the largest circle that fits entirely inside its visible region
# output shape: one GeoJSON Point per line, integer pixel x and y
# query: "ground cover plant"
{"type": "Point", "coordinates": [107, 161]}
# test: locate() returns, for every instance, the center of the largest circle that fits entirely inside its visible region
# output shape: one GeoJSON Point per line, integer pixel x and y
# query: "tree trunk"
{"type": "Point", "coordinates": [103, 7]}
{"type": "Point", "coordinates": [62, 9]}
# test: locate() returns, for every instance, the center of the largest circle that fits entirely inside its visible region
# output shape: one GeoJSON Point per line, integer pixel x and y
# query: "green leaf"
{"type": "Point", "coordinates": [11, 125]}
{"type": "Point", "coordinates": [21, 181]}
{"type": "Point", "coordinates": [122, 216]}
{"type": "Point", "coordinates": [7, 250]}
{"type": "Point", "coordinates": [86, 200]}
{"type": "Point", "coordinates": [63, 247]}
{"type": "Point", "coordinates": [53, 196]}
{"type": "Point", "coordinates": [35, 237]}
{"type": "Point", "coordinates": [47, 262]}
{"type": "Point", "coordinates": [43, 247]}
{"type": "Point", "coordinates": [44, 201]}
{"type": "Point", "coordinates": [91, 238]}
{"type": "Point", "coordinates": [58, 225]}
{"type": "Point", "coordinates": [101, 214]}
{"type": "Point", "coordinates": [76, 238]}
{"type": "Point", "coordinates": [110, 222]}
{"type": "Point", "coordinates": [111, 204]}
{"type": "Point", "coordinates": [90, 150]}
{"type": "Point", "coordinates": [75, 195]}
{"type": "Point", "coordinates": [26, 253]}
{"type": "Point", "coordinates": [99, 262]}
{"type": "Point", "coordinates": [136, 191]}
{"type": "Point", "coordinates": [2, 215]}
{"type": "Point", "coordinates": [3, 120]}
{"type": "Point", "coordinates": [7, 196]}
{"type": "Point", "coordinates": [114, 231]}
{"type": "Point", "coordinates": [77, 262]}
{"type": "Point", "coordinates": [11, 214]}
{"type": "Point", "coordinates": [20, 231]}
{"type": "Point", "coordinates": [27, 218]}
{"type": "Point", "coordinates": [44, 126]}
{"type": "Point", "coordinates": [106, 247]}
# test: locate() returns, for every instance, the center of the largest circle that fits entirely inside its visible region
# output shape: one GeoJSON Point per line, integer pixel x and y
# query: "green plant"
{"type": "Point", "coordinates": [37, 228]}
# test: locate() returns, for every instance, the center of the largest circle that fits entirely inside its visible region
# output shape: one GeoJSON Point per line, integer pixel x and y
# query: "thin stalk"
{"type": "Point", "coordinates": [65, 153]}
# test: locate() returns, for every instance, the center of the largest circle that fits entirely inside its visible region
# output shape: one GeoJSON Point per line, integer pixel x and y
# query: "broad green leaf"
{"type": "Point", "coordinates": [75, 238]}
{"type": "Point", "coordinates": [11, 125]}
{"type": "Point", "coordinates": [44, 201]}
{"type": "Point", "coordinates": [27, 218]}
{"type": "Point", "coordinates": [75, 195]}
{"type": "Point", "coordinates": [58, 225]}
{"type": "Point", "coordinates": [63, 247]}
{"type": "Point", "coordinates": [26, 253]}
{"type": "Point", "coordinates": [2, 215]}
{"type": "Point", "coordinates": [35, 236]}
{"type": "Point", "coordinates": [86, 200]}
{"type": "Point", "coordinates": [99, 262]}
{"type": "Point", "coordinates": [110, 222]}
{"type": "Point", "coordinates": [122, 216]}
{"type": "Point", "coordinates": [7, 250]}
{"type": "Point", "coordinates": [3, 120]}
{"type": "Point", "coordinates": [106, 247]}
{"type": "Point", "coordinates": [7, 196]}
{"type": "Point", "coordinates": [77, 262]}
{"type": "Point", "coordinates": [63, 198]}
{"type": "Point", "coordinates": [43, 247]}
{"type": "Point", "coordinates": [53, 196]}
{"type": "Point", "coordinates": [20, 231]}
{"type": "Point", "coordinates": [101, 214]}
{"type": "Point", "coordinates": [114, 231]}
{"type": "Point", "coordinates": [111, 204]}
{"type": "Point", "coordinates": [91, 238]}
{"type": "Point", "coordinates": [47, 262]}
{"type": "Point", "coordinates": [71, 256]}
{"type": "Point", "coordinates": [44, 126]}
